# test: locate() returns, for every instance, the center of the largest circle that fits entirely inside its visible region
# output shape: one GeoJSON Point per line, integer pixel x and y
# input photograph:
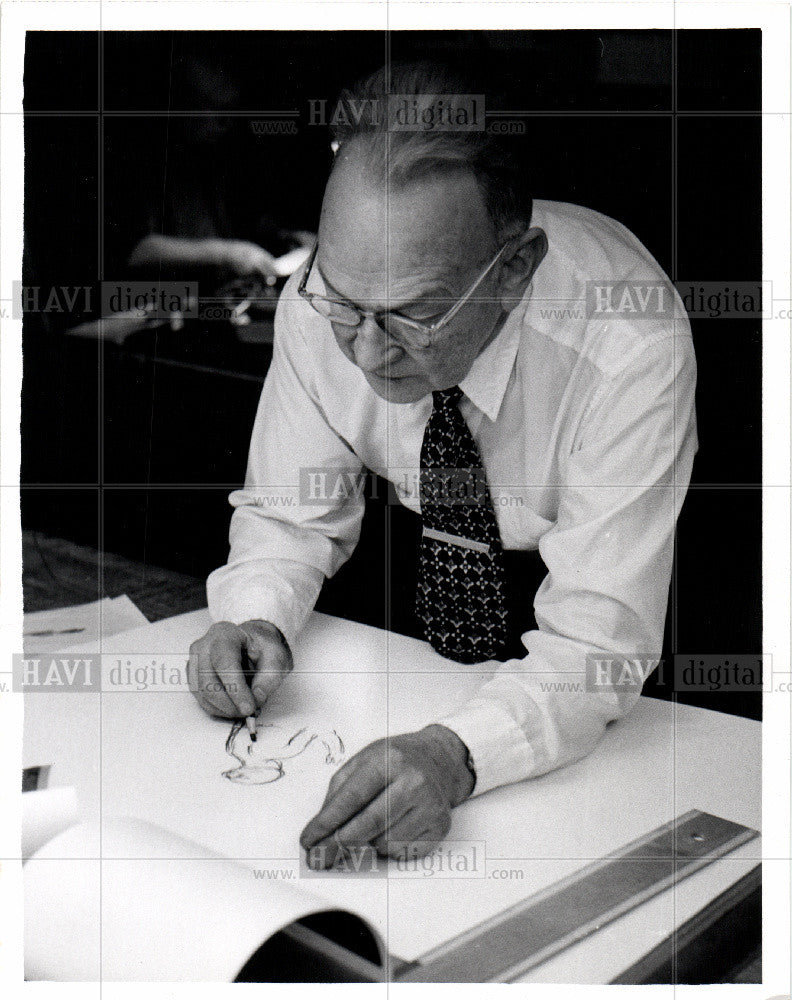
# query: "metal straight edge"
{"type": "Point", "coordinates": [527, 934]}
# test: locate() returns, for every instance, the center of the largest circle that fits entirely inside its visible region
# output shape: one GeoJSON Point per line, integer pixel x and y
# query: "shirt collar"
{"type": "Point", "coordinates": [485, 384]}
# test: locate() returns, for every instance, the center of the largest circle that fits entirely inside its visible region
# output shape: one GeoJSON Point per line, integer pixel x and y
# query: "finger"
{"type": "Point", "coordinates": [409, 837]}
{"type": "Point", "coordinates": [209, 690]}
{"type": "Point", "coordinates": [359, 859]}
{"type": "Point", "coordinates": [192, 680]}
{"type": "Point", "coordinates": [192, 668]}
{"type": "Point", "coordinates": [420, 827]}
{"type": "Point", "coordinates": [365, 781]}
{"type": "Point", "coordinates": [272, 664]}
{"type": "Point", "coordinates": [365, 828]}
{"type": "Point", "coordinates": [407, 848]}
{"type": "Point", "coordinates": [265, 265]}
{"type": "Point", "coordinates": [216, 702]}
{"type": "Point", "coordinates": [373, 755]}
{"type": "Point", "coordinates": [227, 663]}
{"type": "Point", "coordinates": [340, 777]}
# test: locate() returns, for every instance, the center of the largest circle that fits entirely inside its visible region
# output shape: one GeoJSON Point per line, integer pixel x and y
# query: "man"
{"type": "Point", "coordinates": [443, 324]}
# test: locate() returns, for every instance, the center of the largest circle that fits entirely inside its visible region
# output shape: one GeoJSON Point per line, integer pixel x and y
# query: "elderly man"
{"type": "Point", "coordinates": [441, 334]}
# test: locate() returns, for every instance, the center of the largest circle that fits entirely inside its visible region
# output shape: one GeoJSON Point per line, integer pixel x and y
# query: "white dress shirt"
{"type": "Point", "coordinates": [586, 428]}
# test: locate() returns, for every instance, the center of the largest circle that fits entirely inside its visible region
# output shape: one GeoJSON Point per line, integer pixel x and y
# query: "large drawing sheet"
{"type": "Point", "coordinates": [45, 813]}
{"type": "Point", "coordinates": [151, 912]}
{"type": "Point", "coordinates": [156, 756]}
{"type": "Point", "coordinates": [164, 760]}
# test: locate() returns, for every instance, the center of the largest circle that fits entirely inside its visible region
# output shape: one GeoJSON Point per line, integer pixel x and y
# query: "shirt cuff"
{"type": "Point", "coordinates": [236, 595]}
{"type": "Point", "coordinates": [498, 745]}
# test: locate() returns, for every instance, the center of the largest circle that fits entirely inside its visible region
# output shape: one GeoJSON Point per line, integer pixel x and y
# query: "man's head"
{"type": "Point", "coordinates": [410, 220]}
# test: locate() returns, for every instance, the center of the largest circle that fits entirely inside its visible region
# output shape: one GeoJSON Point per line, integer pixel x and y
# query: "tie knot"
{"type": "Point", "coordinates": [447, 397]}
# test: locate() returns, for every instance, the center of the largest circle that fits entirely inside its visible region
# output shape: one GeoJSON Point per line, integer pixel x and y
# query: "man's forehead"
{"type": "Point", "coordinates": [437, 217]}
{"type": "Point", "coordinates": [392, 256]}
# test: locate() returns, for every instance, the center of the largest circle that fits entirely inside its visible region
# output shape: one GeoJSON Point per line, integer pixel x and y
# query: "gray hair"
{"type": "Point", "coordinates": [400, 156]}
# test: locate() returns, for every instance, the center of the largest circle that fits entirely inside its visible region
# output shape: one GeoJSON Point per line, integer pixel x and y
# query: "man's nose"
{"type": "Point", "coordinates": [372, 348]}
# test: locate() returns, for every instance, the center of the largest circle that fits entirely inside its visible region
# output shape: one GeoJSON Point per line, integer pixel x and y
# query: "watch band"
{"type": "Point", "coordinates": [472, 768]}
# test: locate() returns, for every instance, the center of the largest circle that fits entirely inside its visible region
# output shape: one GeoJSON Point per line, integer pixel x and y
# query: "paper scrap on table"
{"type": "Point", "coordinates": [171, 910]}
{"type": "Point", "coordinates": [54, 630]}
{"type": "Point", "coordinates": [45, 814]}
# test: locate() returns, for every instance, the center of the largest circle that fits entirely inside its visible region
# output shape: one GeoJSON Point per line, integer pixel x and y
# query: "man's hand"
{"type": "Point", "coordinates": [227, 657]}
{"type": "Point", "coordinates": [395, 795]}
{"type": "Point", "coordinates": [246, 258]}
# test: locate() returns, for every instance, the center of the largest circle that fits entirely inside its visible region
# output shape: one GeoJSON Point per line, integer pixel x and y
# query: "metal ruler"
{"type": "Point", "coordinates": [506, 946]}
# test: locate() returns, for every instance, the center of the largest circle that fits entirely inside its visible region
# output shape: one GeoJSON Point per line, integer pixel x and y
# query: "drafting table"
{"type": "Point", "coordinates": [659, 762]}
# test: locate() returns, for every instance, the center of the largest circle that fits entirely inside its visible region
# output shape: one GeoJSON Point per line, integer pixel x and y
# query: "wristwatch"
{"type": "Point", "coordinates": [471, 767]}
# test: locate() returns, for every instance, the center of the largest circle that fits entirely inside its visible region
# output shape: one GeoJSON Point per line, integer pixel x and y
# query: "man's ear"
{"type": "Point", "coordinates": [519, 265]}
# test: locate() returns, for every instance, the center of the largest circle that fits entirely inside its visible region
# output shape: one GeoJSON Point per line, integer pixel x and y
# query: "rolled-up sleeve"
{"type": "Point", "coordinates": [609, 559]}
{"type": "Point", "coordinates": [291, 527]}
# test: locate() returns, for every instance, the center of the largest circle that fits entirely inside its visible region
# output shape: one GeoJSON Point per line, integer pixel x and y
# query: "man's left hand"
{"type": "Point", "coordinates": [395, 795]}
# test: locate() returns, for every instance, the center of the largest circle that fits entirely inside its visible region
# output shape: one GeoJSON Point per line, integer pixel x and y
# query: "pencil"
{"type": "Point", "coordinates": [250, 722]}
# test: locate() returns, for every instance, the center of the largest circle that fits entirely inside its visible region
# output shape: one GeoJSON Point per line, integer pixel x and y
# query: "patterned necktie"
{"type": "Point", "coordinates": [460, 596]}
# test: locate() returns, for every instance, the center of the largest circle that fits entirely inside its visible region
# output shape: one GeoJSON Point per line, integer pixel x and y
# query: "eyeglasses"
{"type": "Point", "coordinates": [406, 331]}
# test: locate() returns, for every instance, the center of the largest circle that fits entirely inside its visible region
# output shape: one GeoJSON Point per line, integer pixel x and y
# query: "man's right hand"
{"type": "Point", "coordinates": [246, 258]}
{"type": "Point", "coordinates": [234, 669]}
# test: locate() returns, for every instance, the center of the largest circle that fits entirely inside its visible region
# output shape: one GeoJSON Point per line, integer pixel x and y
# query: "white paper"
{"type": "Point", "coordinates": [157, 756]}
{"type": "Point", "coordinates": [171, 911]}
{"type": "Point", "coordinates": [54, 630]}
{"type": "Point", "coordinates": [44, 814]}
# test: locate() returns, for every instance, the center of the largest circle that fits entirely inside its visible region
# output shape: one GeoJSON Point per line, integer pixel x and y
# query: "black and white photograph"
{"type": "Point", "coordinates": [396, 496]}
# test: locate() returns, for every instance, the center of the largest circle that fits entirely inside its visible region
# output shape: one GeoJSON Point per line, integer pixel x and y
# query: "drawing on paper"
{"type": "Point", "coordinates": [261, 762]}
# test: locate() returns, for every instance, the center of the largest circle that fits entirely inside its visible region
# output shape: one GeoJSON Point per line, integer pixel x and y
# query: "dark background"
{"type": "Point", "coordinates": [133, 449]}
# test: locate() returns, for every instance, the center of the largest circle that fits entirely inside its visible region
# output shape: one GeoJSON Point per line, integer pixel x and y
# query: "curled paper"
{"type": "Point", "coordinates": [156, 907]}
{"type": "Point", "coordinates": [44, 815]}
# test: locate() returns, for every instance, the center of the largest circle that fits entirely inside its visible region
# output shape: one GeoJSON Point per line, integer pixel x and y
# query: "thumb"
{"type": "Point", "coordinates": [271, 661]}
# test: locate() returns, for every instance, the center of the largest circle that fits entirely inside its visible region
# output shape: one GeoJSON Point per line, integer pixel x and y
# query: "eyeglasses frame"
{"type": "Point", "coordinates": [429, 332]}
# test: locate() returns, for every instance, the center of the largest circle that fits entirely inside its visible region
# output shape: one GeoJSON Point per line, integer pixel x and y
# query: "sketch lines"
{"type": "Point", "coordinates": [261, 762]}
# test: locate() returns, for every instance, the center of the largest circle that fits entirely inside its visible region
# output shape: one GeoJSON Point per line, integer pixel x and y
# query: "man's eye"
{"type": "Point", "coordinates": [418, 317]}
